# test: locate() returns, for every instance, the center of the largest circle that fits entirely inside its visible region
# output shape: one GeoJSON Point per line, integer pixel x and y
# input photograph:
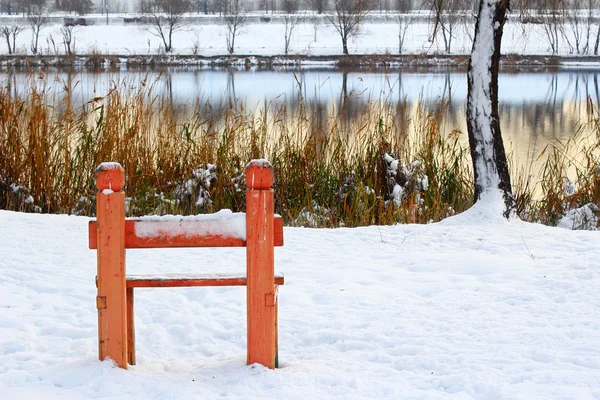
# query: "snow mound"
{"type": "Point", "coordinates": [585, 217]}
{"type": "Point", "coordinates": [487, 210]}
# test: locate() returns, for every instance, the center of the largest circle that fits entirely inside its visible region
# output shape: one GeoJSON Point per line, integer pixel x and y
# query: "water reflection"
{"type": "Point", "coordinates": [536, 108]}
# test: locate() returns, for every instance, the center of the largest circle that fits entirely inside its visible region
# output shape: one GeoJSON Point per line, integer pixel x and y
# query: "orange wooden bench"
{"type": "Point", "coordinates": [111, 234]}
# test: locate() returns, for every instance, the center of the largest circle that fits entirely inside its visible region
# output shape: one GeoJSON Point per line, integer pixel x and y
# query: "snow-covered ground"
{"type": "Point", "coordinates": [472, 307]}
{"type": "Point", "coordinates": [267, 39]}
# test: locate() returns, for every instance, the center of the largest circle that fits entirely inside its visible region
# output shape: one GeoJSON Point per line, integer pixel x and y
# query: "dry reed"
{"type": "Point", "coordinates": [330, 168]}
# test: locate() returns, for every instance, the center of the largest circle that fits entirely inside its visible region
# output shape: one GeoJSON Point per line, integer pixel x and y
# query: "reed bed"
{"type": "Point", "coordinates": [383, 164]}
{"type": "Point", "coordinates": [570, 180]}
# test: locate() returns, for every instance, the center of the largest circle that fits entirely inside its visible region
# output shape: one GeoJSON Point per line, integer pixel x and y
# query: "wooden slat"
{"type": "Point", "coordinates": [189, 281]}
{"type": "Point", "coordinates": [112, 316]}
{"type": "Point", "coordinates": [130, 327]}
{"type": "Point", "coordinates": [278, 228]}
{"type": "Point", "coordinates": [132, 241]}
{"type": "Point", "coordinates": [260, 261]}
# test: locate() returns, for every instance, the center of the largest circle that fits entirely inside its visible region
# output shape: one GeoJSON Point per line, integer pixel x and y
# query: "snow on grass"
{"type": "Point", "coordinates": [584, 217]}
{"type": "Point", "coordinates": [467, 308]}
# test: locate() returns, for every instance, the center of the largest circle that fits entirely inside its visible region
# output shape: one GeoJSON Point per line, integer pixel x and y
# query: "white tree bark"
{"type": "Point", "coordinates": [490, 166]}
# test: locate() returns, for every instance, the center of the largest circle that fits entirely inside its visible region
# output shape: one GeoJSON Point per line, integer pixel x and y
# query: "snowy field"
{"type": "Point", "coordinates": [268, 39]}
{"type": "Point", "coordinates": [472, 307]}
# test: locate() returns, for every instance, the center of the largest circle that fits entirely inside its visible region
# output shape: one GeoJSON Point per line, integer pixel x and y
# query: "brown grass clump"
{"type": "Point", "coordinates": [329, 166]}
{"type": "Point", "coordinates": [570, 180]}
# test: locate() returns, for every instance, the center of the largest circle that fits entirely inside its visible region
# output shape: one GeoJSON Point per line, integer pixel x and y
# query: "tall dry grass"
{"type": "Point", "coordinates": [569, 178]}
{"type": "Point", "coordinates": [330, 165]}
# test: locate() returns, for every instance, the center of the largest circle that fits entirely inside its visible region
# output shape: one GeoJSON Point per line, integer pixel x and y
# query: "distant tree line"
{"type": "Point", "coordinates": [82, 7]}
{"type": "Point", "coordinates": [217, 6]}
{"type": "Point", "coordinates": [317, 6]}
{"type": "Point", "coordinates": [570, 24]}
{"type": "Point", "coordinates": [24, 7]}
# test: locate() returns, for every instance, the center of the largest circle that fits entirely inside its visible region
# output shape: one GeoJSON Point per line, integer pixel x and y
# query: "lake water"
{"type": "Point", "coordinates": [536, 108]}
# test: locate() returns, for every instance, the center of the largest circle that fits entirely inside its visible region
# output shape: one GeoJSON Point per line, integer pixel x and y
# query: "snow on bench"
{"type": "Point", "coordinates": [178, 231]}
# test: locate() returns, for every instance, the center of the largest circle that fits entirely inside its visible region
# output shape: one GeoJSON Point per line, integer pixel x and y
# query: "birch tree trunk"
{"type": "Point", "coordinates": [490, 166]}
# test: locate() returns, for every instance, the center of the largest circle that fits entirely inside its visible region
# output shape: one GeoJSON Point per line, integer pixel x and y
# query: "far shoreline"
{"type": "Point", "coordinates": [366, 62]}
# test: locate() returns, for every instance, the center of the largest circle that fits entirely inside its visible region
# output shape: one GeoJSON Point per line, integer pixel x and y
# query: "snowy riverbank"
{"type": "Point", "coordinates": [314, 37]}
{"type": "Point", "coordinates": [471, 307]}
{"type": "Point", "coordinates": [407, 63]}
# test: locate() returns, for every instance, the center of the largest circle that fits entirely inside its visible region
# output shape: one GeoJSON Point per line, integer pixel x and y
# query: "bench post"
{"type": "Point", "coordinates": [111, 300]}
{"type": "Point", "coordinates": [260, 268]}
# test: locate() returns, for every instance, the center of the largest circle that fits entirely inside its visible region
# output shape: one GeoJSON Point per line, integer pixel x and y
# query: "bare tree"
{"type": "Point", "coordinates": [448, 15]}
{"type": "Point", "coordinates": [29, 6]}
{"type": "Point", "coordinates": [552, 18]}
{"type": "Point", "coordinates": [206, 6]}
{"type": "Point", "coordinates": [222, 6]}
{"type": "Point", "coordinates": [403, 20]}
{"type": "Point", "coordinates": [549, 15]}
{"type": "Point", "coordinates": [318, 5]}
{"type": "Point", "coordinates": [166, 18]}
{"type": "Point", "coordinates": [267, 5]}
{"type": "Point", "coordinates": [578, 24]}
{"type": "Point", "coordinates": [574, 20]}
{"type": "Point", "coordinates": [68, 39]}
{"type": "Point", "coordinates": [143, 6]}
{"type": "Point", "coordinates": [235, 18]}
{"type": "Point", "coordinates": [290, 23]}
{"type": "Point", "coordinates": [290, 6]}
{"type": "Point", "coordinates": [347, 17]}
{"type": "Point", "coordinates": [37, 17]}
{"type": "Point", "coordinates": [10, 35]}
{"type": "Point", "coordinates": [490, 166]}
{"type": "Point", "coordinates": [593, 4]}
{"type": "Point", "coordinates": [573, 28]}
{"type": "Point", "coordinates": [403, 6]}
{"type": "Point", "coordinates": [6, 6]}
{"type": "Point", "coordinates": [291, 20]}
